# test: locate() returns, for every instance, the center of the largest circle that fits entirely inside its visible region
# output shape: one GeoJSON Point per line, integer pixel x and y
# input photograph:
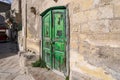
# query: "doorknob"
{"type": "Point", "coordinates": [52, 42]}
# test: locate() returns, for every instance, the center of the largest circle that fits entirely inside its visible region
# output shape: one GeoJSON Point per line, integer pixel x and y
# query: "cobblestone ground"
{"type": "Point", "coordinates": [9, 63]}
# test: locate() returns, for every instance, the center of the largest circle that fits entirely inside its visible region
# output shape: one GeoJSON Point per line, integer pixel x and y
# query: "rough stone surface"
{"type": "Point", "coordinates": [117, 9]}
{"type": "Point", "coordinates": [37, 73]}
{"type": "Point", "coordinates": [94, 36]}
{"type": "Point", "coordinates": [106, 12]}
{"type": "Point", "coordinates": [44, 74]}
{"type": "Point", "coordinates": [79, 76]}
{"type": "Point", "coordinates": [100, 26]}
{"type": "Point", "coordinates": [102, 56]}
{"type": "Point", "coordinates": [115, 26]}
{"type": "Point", "coordinates": [9, 63]}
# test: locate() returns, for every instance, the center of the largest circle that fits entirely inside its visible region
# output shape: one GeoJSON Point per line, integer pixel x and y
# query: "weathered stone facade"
{"type": "Point", "coordinates": [16, 15]}
{"type": "Point", "coordinates": [94, 36]}
{"type": "Point", "coordinates": [16, 11]}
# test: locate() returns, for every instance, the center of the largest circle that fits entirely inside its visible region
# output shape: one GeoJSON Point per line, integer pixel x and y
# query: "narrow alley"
{"type": "Point", "coordinates": [9, 63]}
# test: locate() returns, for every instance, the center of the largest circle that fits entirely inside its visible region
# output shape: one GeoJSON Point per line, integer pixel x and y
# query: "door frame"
{"type": "Point", "coordinates": [67, 73]}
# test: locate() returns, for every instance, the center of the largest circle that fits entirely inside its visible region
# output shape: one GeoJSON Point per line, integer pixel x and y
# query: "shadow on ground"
{"type": "Point", "coordinates": [8, 49]}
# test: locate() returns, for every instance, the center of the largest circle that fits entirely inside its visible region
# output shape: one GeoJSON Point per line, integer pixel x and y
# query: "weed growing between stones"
{"type": "Point", "coordinates": [67, 78]}
{"type": "Point", "coordinates": [39, 63]}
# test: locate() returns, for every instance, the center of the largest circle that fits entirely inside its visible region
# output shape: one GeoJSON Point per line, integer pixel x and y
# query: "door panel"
{"type": "Point", "coordinates": [59, 61]}
{"type": "Point", "coordinates": [47, 55]}
{"type": "Point", "coordinates": [59, 38]}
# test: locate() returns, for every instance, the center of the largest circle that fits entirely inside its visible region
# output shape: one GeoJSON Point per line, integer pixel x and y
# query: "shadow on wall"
{"type": "Point", "coordinates": [19, 27]}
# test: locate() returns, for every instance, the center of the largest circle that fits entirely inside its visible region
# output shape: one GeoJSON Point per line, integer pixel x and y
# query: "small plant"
{"type": "Point", "coordinates": [39, 63]}
{"type": "Point", "coordinates": [67, 78]}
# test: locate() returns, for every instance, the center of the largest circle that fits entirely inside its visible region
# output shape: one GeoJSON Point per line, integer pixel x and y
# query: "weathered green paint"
{"type": "Point", "coordinates": [52, 8]}
{"type": "Point", "coordinates": [54, 39]}
{"type": "Point", "coordinates": [47, 38]}
{"type": "Point", "coordinates": [59, 36]}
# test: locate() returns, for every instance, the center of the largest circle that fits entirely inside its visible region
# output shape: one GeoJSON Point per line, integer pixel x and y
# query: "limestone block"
{"type": "Point", "coordinates": [83, 36]}
{"type": "Point", "coordinates": [85, 28]}
{"type": "Point", "coordinates": [100, 26]}
{"type": "Point", "coordinates": [115, 26]}
{"type": "Point", "coordinates": [31, 32]}
{"type": "Point", "coordinates": [74, 45]}
{"type": "Point", "coordinates": [105, 1]}
{"type": "Point", "coordinates": [92, 14]}
{"type": "Point", "coordinates": [98, 3]}
{"type": "Point", "coordinates": [99, 37]}
{"type": "Point", "coordinates": [33, 45]}
{"type": "Point", "coordinates": [76, 8]}
{"type": "Point", "coordinates": [74, 57]}
{"type": "Point", "coordinates": [84, 47]}
{"type": "Point", "coordinates": [74, 36]}
{"type": "Point", "coordinates": [75, 28]}
{"type": "Point", "coordinates": [115, 37]}
{"type": "Point", "coordinates": [112, 40]}
{"type": "Point", "coordinates": [117, 9]}
{"type": "Point", "coordinates": [78, 18]}
{"type": "Point", "coordinates": [105, 12]}
{"type": "Point", "coordinates": [86, 4]}
{"type": "Point", "coordinates": [115, 1]}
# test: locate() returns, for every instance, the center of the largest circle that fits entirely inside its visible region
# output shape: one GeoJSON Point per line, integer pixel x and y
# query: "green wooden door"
{"type": "Point", "coordinates": [47, 38]}
{"type": "Point", "coordinates": [54, 39]}
{"type": "Point", "coordinates": [59, 39]}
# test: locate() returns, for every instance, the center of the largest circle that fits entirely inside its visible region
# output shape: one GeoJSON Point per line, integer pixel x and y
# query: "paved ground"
{"type": "Point", "coordinates": [9, 63]}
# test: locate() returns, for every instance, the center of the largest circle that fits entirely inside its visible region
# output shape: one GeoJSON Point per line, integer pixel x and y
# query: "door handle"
{"type": "Point", "coordinates": [52, 42]}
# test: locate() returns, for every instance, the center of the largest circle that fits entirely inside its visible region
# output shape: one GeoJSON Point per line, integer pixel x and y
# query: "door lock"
{"type": "Point", "coordinates": [52, 42]}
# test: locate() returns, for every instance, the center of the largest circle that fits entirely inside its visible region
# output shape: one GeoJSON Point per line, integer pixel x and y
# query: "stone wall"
{"type": "Point", "coordinates": [16, 8]}
{"type": "Point", "coordinates": [95, 22]}
{"type": "Point", "coordinates": [94, 36]}
{"type": "Point", "coordinates": [33, 27]}
{"type": "Point", "coordinates": [15, 5]}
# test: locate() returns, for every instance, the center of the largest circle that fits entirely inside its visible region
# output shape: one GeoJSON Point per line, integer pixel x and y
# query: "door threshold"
{"type": "Point", "coordinates": [59, 73]}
